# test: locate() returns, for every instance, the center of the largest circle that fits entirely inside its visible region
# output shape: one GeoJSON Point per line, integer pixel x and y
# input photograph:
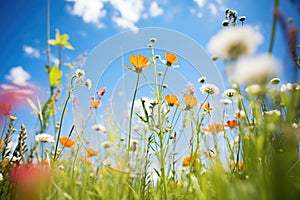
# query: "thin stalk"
{"type": "Point", "coordinates": [274, 23]}
{"type": "Point", "coordinates": [131, 113]}
{"type": "Point", "coordinates": [61, 120]}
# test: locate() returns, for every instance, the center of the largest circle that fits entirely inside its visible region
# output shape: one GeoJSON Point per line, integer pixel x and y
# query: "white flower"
{"type": "Point", "coordinates": [1, 177]}
{"type": "Point", "coordinates": [234, 42]}
{"type": "Point", "coordinates": [44, 137]}
{"type": "Point", "coordinates": [79, 73]}
{"type": "Point", "coordinates": [294, 125]}
{"type": "Point", "coordinates": [88, 83]}
{"type": "Point", "coordinates": [209, 88]}
{"type": "Point", "coordinates": [290, 87]}
{"type": "Point", "coordinates": [99, 127]}
{"type": "Point", "coordinates": [229, 93]}
{"type": "Point", "coordinates": [225, 101]}
{"type": "Point", "coordinates": [275, 81]}
{"type": "Point", "coordinates": [256, 69]}
{"type": "Point", "coordinates": [135, 142]}
{"type": "Point", "coordinates": [106, 144]}
{"type": "Point", "coordinates": [272, 112]}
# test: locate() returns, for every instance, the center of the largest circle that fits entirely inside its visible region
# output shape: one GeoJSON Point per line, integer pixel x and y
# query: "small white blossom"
{"type": "Point", "coordinates": [209, 88]}
{"type": "Point", "coordinates": [1, 177]}
{"type": "Point", "coordinates": [229, 93]}
{"type": "Point", "coordinates": [79, 73]}
{"type": "Point", "coordinates": [294, 125]}
{"type": "Point", "coordinates": [256, 69]}
{"type": "Point", "coordinates": [88, 83]}
{"type": "Point", "coordinates": [44, 137]}
{"type": "Point", "coordinates": [272, 112]}
{"type": "Point", "coordinates": [234, 42]}
{"type": "Point", "coordinates": [99, 127]}
{"type": "Point", "coordinates": [135, 142]}
{"type": "Point", "coordinates": [290, 87]}
{"type": "Point", "coordinates": [225, 101]}
{"type": "Point", "coordinates": [106, 144]}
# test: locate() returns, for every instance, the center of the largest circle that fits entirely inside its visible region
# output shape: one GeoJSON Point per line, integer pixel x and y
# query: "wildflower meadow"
{"type": "Point", "coordinates": [153, 116]}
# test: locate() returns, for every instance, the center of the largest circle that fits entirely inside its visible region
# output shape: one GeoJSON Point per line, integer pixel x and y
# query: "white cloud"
{"type": "Point", "coordinates": [130, 12]}
{"type": "Point", "coordinates": [18, 76]}
{"type": "Point", "coordinates": [213, 8]}
{"type": "Point", "coordinates": [54, 60]}
{"type": "Point", "coordinates": [155, 10]}
{"type": "Point", "coordinates": [91, 11]}
{"type": "Point", "coordinates": [31, 52]}
{"type": "Point", "coordinates": [125, 23]}
{"type": "Point", "coordinates": [200, 3]}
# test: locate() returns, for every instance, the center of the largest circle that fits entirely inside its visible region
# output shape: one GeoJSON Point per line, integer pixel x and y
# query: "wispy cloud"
{"type": "Point", "coordinates": [213, 8]}
{"type": "Point", "coordinates": [155, 10]}
{"type": "Point", "coordinates": [124, 13]}
{"type": "Point", "coordinates": [31, 52]}
{"type": "Point", "coordinates": [91, 11]}
{"type": "Point", "coordinates": [18, 76]}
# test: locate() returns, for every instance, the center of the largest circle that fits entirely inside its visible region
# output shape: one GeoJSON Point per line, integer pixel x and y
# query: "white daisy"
{"type": "Point", "coordinates": [99, 128]}
{"type": "Point", "coordinates": [79, 73]}
{"type": "Point", "coordinates": [44, 137]}
{"type": "Point", "coordinates": [209, 88]}
{"type": "Point", "coordinates": [229, 93]}
{"type": "Point", "coordinates": [88, 83]}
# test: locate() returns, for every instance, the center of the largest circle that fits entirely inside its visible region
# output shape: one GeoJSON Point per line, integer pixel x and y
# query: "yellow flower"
{"type": "Point", "coordinates": [139, 62]}
{"type": "Point", "coordinates": [61, 40]}
{"type": "Point", "coordinates": [13, 118]}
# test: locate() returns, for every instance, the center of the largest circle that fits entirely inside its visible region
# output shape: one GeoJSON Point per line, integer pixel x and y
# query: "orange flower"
{"type": "Point", "coordinates": [170, 58]}
{"type": "Point", "coordinates": [231, 124]}
{"type": "Point", "coordinates": [66, 142]}
{"type": "Point", "coordinates": [190, 159]}
{"type": "Point", "coordinates": [172, 100]}
{"type": "Point", "coordinates": [214, 128]}
{"type": "Point", "coordinates": [94, 103]}
{"type": "Point", "coordinates": [89, 163]}
{"type": "Point", "coordinates": [206, 107]}
{"type": "Point", "coordinates": [190, 101]}
{"type": "Point", "coordinates": [240, 164]}
{"type": "Point", "coordinates": [1, 142]}
{"type": "Point", "coordinates": [91, 152]}
{"type": "Point", "coordinates": [139, 62]}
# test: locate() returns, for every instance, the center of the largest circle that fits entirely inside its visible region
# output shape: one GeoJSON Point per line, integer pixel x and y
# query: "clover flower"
{"type": "Point", "coordinates": [234, 42]}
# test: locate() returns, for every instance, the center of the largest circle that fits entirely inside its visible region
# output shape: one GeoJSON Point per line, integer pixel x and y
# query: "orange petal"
{"type": "Point", "coordinates": [171, 58]}
{"type": "Point", "coordinates": [66, 142]}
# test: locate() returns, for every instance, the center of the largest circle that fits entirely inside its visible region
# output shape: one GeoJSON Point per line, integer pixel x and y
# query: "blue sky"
{"type": "Point", "coordinates": [23, 30]}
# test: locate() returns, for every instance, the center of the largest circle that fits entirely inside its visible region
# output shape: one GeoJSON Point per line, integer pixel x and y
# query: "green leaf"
{"type": "Point", "coordinates": [55, 76]}
{"type": "Point", "coordinates": [34, 108]}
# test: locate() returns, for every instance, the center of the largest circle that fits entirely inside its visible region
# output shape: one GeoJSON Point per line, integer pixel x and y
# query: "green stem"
{"type": "Point", "coordinates": [274, 23]}
{"type": "Point", "coordinates": [131, 113]}
{"type": "Point", "coordinates": [61, 120]}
